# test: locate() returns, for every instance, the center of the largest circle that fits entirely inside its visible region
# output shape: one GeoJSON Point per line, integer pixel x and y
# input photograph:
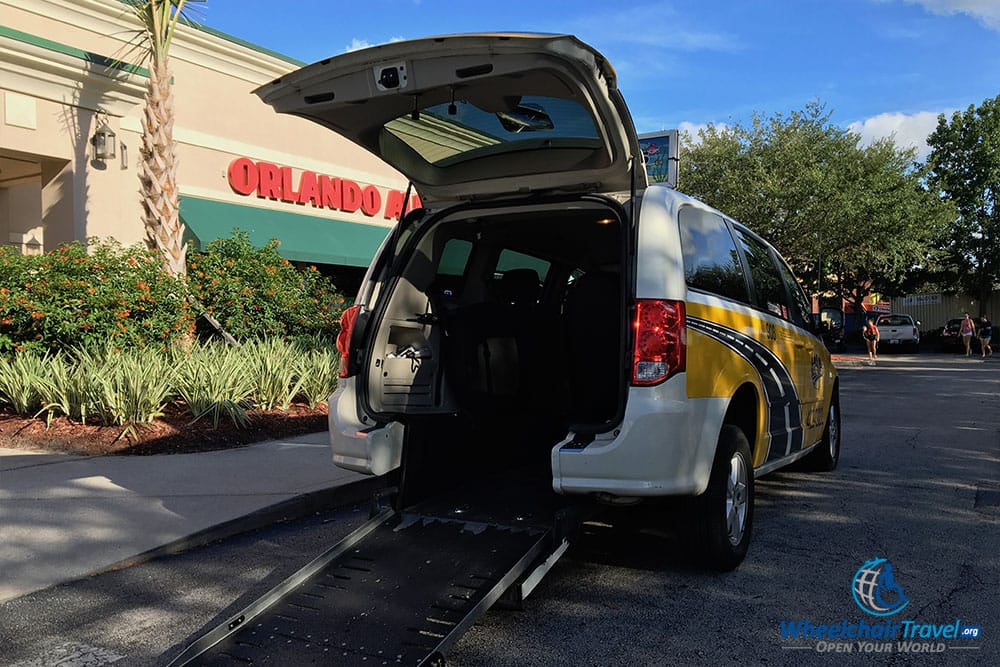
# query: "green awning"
{"type": "Point", "coordinates": [304, 238]}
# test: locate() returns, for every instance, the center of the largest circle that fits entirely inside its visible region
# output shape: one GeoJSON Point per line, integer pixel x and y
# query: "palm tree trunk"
{"type": "Point", "coordinates": [158, 172]}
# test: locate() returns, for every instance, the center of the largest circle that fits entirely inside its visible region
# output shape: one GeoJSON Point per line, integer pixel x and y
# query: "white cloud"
{"type": "Point", "coordinates": [693, 129]}
{"type": "Point", "coordinates": [986, 12]}
{"type": "Point", "coordinates": [357, 44]}
{"type": "Point", "coordinates": [908, 130]}
{"type": "Point", "coordinates": [642, 26]}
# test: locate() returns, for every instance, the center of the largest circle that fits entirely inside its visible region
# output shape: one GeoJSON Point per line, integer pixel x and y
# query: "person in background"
{"type": "Point", "coordinates": [985, 333]}
{"type": "Point", "coordinates": [967, 329]}
{"type": "Point", "coordinates": [870, 333]}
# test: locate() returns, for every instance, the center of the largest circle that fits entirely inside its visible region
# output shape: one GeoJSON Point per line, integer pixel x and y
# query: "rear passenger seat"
{"type": "Point", "coordinates": [494, 347]}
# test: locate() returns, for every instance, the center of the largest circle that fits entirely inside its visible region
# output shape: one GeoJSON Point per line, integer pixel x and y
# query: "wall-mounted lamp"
{"type": "Point", "coordinates": [104, 143]}
{"type": "Point", "coordinates": [124, 156]}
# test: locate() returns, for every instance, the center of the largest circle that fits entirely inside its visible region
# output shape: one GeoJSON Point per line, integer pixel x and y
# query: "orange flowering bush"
{"type": "Point", "coordinates": [71, 297]}
{"type": "Point", "coordinates": [255, 293]}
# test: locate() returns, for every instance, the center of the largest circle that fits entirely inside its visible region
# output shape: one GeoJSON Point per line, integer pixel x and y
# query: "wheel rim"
{"type": "Point", "coordinates": [736, 499]}
{"type": "Point", "coordinates": [833, 427]}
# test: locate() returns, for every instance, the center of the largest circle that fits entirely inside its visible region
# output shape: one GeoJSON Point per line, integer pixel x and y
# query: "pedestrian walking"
{"type": "Point", "coordinates": [967, 329]}
{"type": "Point", "coordinates": [870, 334]}
{"type": "Point", "coordinates": [985, 333]}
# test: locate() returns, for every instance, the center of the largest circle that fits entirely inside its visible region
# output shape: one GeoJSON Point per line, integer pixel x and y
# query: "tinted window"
{"type": "Point", "coordinates": [451, 133]}
{"type": "Point", "coordinates": [769, 289]}
{"type": "Point", "coordinates": [800, 306]}
{"type": "Point", "coordinates": [711, 262]}
{"type": "Point", "coordinates": [451, 267]}
{"type": "Point", "coordinates": [454, 257]}
{"type": "Point", "coordinates": [510, 259]}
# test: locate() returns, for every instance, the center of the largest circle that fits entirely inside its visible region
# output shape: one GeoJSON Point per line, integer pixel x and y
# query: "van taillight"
{"type": "Point", "coordinates": [344, 340]}
{"type": "Point", "coordinates": [660, 341]}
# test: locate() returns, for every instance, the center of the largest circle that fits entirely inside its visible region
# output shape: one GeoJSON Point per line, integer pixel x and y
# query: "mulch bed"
{"type": "Point", "coordinates": [171, 434]}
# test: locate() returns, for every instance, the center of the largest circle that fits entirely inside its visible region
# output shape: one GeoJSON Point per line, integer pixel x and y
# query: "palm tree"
{"type": "Point", "coordinates": [157, 162]}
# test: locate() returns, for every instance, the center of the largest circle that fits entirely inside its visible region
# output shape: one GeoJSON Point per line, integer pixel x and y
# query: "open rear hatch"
{"type": "Point", "coordinates": [475, 116]}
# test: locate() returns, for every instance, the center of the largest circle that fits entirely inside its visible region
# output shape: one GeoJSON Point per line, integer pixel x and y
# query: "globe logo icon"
{"type": "Point", "coordinates": [875, 589]}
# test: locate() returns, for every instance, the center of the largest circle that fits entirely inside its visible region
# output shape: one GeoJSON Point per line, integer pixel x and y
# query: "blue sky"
{"type": "Point", "coordinates": [881, 66]}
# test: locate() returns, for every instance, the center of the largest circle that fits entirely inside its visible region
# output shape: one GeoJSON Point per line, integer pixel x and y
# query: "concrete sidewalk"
{"type": "Point", "coordinates": [63, 517]}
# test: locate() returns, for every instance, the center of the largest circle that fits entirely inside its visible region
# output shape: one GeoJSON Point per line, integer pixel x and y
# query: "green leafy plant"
{"type": "Point", "coordinates": [318, 371]}
{"type": "Point", "coordinates": [133, 388]}
{"type": "Point", "coordinates": [20, 379]}
{"type": "Point", "coordinates": [69, 387]}
{"type": "Point", "coordinates": [256, 293]}
{"type": "Point", "coordinates": [273, 363]}
{"type": "Point", "coordinates": [80, 297]}
{"type": "Point", "coordinates": [215, 381]}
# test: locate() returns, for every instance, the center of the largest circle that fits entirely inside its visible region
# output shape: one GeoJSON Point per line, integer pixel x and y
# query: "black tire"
{"type": "Point", "coordinates": [826, 455]}
{"type": "Point", "coordinates": [722, 517]}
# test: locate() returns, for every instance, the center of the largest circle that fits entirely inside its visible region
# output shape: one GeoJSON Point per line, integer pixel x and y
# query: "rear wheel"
{"type": "Point", "coordinates": [827, 453]}
{"type": "Point", "coordinates": [722, 517]}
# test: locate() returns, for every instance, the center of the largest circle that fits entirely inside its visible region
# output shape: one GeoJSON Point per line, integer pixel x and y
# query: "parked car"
{"type": "Point", "coordinates": [548, 315]}
{"type": "Point", "coordinates": [951, 339]}
{"type": "Point", "coordinates": [832, 329]}
{"type": "Point", "coordinates": [898, 331]}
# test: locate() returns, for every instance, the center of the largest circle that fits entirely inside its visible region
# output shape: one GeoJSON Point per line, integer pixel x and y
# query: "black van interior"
{"type": "Point", "coordinates": [503, 331]}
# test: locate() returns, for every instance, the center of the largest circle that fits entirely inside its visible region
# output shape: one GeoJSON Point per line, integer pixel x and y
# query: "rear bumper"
{"type": "Point", "coordinates": [664, 446]}
{"type": "Point", "coordinates": [358, 445]}
{"type": "Point", "coordinates": [899, 340]}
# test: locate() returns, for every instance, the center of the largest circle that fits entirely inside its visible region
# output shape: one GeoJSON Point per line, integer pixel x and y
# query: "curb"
{"type": "Point", "coordinates": [291, 509]}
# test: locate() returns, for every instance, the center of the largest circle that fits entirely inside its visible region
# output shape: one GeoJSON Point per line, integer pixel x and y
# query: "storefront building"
{"type": "Point", "coordinates": [68, 74]}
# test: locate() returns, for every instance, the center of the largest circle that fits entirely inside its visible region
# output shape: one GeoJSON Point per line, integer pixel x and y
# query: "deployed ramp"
{"type": "Point", "coordinates": [400, 590]}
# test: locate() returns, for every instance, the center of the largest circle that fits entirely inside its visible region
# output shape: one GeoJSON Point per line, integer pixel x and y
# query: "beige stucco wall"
{"type": "Point", "coordinates": [217, 120]}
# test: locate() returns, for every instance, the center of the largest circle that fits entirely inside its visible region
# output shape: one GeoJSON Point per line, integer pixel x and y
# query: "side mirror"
{"type": "Point", "coordinates": [819, 325]}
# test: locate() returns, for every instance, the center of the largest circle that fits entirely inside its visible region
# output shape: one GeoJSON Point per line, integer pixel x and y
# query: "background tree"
{"type": "Point", "coordinates": [964, 165]}
{"type": "Point", "coordinates": [901, 223]}
{"type": "Point", "coordinates": [157, 161]}
{"type": "Point", "coordinates": [850, 219]}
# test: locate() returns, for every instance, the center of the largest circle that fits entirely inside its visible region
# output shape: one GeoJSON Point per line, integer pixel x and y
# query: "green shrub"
{"type": "Point", "coordinates": [273, 365]}
{"type": "Point", "coordinates": [20, 380]}
{"type": "Point", "coordinates": [69, 388]}
{"type": "Point", "coordinates": [74, 298]}
{"type": "Point", "coordinates": [256, 293]}
{"type": "Point", "coordinates": [133, 388]}
{"type": "Point", "coordinates": [215, 380]}
{"type": "Point", "coordinates": [318, 371]}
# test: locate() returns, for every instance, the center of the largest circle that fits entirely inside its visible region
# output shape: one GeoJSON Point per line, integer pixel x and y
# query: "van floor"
{"type": "Point", "coordinates": [511, 498]}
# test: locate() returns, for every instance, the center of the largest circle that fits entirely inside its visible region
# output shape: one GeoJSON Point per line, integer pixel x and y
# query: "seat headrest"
{"type": "Point", "coordinates": [595, 287]}
{"type": "Point", "coordinates": [519, 287]}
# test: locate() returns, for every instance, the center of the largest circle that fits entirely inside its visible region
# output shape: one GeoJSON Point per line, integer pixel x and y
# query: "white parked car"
{"type": "Point", "coordinates": [898, 331]}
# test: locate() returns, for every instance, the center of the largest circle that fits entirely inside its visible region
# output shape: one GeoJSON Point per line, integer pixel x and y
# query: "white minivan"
{"type": "Point", "coordinates": [549, 317]}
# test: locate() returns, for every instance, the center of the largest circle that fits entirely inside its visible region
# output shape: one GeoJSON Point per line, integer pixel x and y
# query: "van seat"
{"type": "Point", "coordinates": [496, 346]}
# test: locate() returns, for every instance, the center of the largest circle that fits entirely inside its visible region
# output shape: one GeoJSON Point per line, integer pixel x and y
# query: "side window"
{"type": "Point", "coordinates": [769, 288]}
{"type": "Point", "coordinates": [711, 261]}
{"type": "Point", "coordinates": [510, 259]}
{"type": "Point", "coordinates": [451, 267]}
{"type": "Point", "coordinates": [800, 306]}
{"type": "Point", "coordinates": [454, 257]}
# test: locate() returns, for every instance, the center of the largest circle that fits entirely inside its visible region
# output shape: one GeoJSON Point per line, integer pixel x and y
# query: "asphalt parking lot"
{"type": "Point", "coordinates": [918, 484]}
